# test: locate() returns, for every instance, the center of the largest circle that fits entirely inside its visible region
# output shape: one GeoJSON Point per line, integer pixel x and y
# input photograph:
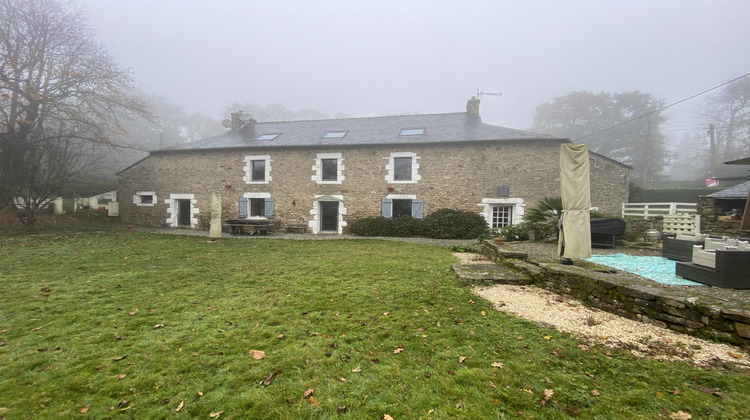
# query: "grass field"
{"type": "Point", "coordinates": [133, 325]}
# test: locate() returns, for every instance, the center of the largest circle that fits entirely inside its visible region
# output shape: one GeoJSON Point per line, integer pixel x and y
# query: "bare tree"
{"type": "Point", "coordinates": [61, 96]}
{"type": "Point", "coordinates": [729, 111]}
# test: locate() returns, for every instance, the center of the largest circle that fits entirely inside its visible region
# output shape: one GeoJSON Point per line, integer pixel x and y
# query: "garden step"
{"type": "Point", "coordinates": [488, 274]}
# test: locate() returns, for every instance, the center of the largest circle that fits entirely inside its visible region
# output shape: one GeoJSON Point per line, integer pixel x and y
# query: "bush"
{"type": "Point", "coordinates": [407, 226]}
{"type": "Point", "coordinates": [372, 226]}
{"type": "Point", "coordinates": [517, 232]}
{"type": "Point", "coordinates": [453, 224]}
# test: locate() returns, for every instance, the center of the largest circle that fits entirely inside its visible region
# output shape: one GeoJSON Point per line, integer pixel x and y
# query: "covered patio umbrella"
{"type": "Point", "coordinates": [575, 235]}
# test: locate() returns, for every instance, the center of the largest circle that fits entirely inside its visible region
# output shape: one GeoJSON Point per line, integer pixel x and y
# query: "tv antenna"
{"type": "Point", "coordinates": [481, 92]}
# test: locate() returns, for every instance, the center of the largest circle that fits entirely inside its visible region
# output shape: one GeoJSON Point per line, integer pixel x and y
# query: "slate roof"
{"type": "Point", "coordinates": [438, 128]}
{"type": "Point", "coordinates": [738, 191]}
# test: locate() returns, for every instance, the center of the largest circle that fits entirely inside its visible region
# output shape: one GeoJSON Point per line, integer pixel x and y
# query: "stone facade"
{"type": "Point", "coordinates": [450, 175]}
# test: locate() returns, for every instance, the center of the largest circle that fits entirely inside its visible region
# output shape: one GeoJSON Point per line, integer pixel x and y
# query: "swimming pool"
{"type": "Point", "coordinates": [658, 269]}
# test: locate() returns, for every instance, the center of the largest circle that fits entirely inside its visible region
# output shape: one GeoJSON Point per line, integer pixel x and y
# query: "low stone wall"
{"type": "Point", "coordinates": [681, 310]}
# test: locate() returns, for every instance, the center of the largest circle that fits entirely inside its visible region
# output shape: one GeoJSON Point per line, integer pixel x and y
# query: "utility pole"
{"type": "Point", "coordinates": [712, 143]}
{"type": "Point", "coordinates": [648, 173]}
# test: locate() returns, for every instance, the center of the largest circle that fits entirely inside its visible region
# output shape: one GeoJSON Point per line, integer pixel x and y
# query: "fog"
{"type": "Point", "coordinates": [370, 58]}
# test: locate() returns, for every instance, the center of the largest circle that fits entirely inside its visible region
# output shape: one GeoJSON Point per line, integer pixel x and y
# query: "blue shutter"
{"type": "Point", "coordinates": [417, 208]}
{"type": "Point", "coordinates": [386, 207]}
{"type": "Point", "coordinates": [242, 206]}
{"type": "Point", "coordinates": [268, 208]}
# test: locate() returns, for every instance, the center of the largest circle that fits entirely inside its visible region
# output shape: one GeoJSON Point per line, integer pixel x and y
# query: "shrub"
{"type": "Point", "coordinates": [517, 232]}
{"type": "Point", "coordinates": [407, 226]}
{"type": "Point", "coordinates": [372, 226]}
{"type": "Point", "coordinates": [453, 224]}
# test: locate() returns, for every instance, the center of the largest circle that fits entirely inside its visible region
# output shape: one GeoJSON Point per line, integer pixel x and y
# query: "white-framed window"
{"type": "Point", "coordinates": [402, 168]}
{"type": "Point", "coordinates": [257, 169]}
{"type": "Point", "coordinates": [144, 198]}
{"type": "Point", "coordinates": [501, 212]}
{"type": "Point", "coordinates": [328, 168]}
{"type": "Point", "coordinates": [256, 206]}
{"type": "Point", "coordinates": [395, 205]}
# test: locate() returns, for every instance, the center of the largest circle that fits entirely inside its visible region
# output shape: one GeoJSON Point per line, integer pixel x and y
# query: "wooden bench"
{"type": "Point", "coordinates": [296, 227]}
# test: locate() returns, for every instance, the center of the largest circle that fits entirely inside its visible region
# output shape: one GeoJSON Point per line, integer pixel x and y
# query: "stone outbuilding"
{"type": "Point", "coordinates": [326, 174]}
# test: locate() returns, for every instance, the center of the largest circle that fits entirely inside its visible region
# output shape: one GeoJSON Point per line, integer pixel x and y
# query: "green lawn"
{"type": "Point", "coordinates": [133, 325]}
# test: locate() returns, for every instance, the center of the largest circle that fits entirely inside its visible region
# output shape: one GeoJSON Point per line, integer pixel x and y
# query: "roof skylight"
{"type": "Point", "coordinates": [267, 136]}
{"type": "Point", "coordinates": [412, 131]}
{"type": "Point", "coordinates": [335, 134]}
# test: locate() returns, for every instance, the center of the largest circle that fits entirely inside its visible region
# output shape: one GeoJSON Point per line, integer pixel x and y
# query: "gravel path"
{"type": "Point", "coordinates": [594, 326]}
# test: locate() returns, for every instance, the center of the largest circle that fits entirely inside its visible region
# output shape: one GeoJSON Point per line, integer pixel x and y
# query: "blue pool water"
{"type": "Point", "coordinates": [657, 269]}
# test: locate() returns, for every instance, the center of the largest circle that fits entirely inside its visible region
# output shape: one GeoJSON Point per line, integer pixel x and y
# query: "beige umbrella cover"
{"type": "Point", "coordinates": [575, 235]}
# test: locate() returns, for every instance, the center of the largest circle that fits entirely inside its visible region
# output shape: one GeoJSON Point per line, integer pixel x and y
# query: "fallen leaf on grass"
{"type": "Point", "coordinates": [179, 407]}
{"type": "Point", "coordinates": [735, 355]}
{"type": "Point", "coordinates": [133, 312]}
{"type": "Point", "coordinates": [357, 369]}
{"type": "Point", "coordinates": [386, 417]}
{"type": "Point", "coordinates": [216, 414]}
{"type": "Point", "coordinates": [398, 350]}
{"type": "Point", "coordinates": [680, 415]}
{"type": "Point", "coordinates": [158, 326]}
{"type": "Point", "coordinates": [6, 330]}
{"type": "Point", "coordinates": [118, 358]}
{"type": "Point", "coordinates": [123, 404]}
{"type": "Point", "coordinates": [280, 336]}
{"type": "Point", "coordinates": [313, 401]}
{"type": "Point", "coordinates": [497, 365]}
{"type": "Point", "coordinates": [461, 359]}
{"type": "Point", "coordinates": [271, 377]}
{"type": "Point", "coordinates": [342, 379]}
{"type": "Point", "coordinates": [595, 393]}
{"type": "Point", "coordinates": [341, 410]}
{"type": "Point", "coordinates": [257, 354]}
{"type": "Point", "coordinates": [385, 313]}
{"type": "Point", "coordinates": [121, 376]}
{"type": "Point", "coordinates": [713, 392]}
{"type": "Point", "coordinates": [484, 313]}
{"type": "Point", "coordinates": [36, 329]}
{"type": "Point", "coordinates": [548, 393]}
{"type": "Point", "coordinates": [674, 391]}
{"type": "Point", "coordinates": [572, 411]}
{"type": "Point", "coordinates": [308, 393]}
{"type": "Point", "coordinates": [460, 404]}
{"type": "Point", "coordinates": [492, 384]}
{"type": "Point", "coordinates": [84, 409]}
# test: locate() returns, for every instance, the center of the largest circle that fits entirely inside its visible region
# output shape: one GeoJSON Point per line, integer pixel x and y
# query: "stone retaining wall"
{"type": "Point", "coordinates": [680, 310]}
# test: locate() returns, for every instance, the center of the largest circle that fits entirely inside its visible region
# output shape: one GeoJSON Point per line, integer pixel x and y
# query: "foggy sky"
{"type": "Point", "coordinates": [370, 58]}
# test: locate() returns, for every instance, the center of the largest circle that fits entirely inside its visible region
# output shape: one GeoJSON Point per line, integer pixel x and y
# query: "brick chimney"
{"type": "Point", "coordinates": [472, 106]}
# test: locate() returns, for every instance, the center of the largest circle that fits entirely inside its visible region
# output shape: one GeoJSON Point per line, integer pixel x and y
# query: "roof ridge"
{"type": "Point", "coordinates": [358, 118]}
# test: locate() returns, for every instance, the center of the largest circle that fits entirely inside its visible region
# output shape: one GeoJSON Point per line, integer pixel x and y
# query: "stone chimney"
{"type": "Point", "coordinates": [472, 106]}
{"type": "Point", "coordinates": [236, 122]}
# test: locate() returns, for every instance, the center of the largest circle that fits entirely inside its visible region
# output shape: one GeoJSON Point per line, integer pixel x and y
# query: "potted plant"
{"type": "Point", "coordinates": [499, 240]}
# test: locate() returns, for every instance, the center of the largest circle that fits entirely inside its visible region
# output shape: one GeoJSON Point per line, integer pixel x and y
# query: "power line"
{"type": "Point", "coordinates": [663, 108]}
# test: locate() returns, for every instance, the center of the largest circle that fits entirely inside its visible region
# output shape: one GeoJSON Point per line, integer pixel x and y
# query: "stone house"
{"type": "Point", "coordinates": [330, 173]}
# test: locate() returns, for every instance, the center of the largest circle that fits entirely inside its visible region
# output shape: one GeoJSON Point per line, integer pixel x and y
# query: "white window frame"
{"type": "Point", "coordinates": [318, 168]}
{"type": "Point", "coordinates": [517, 204]}
{"type": "Point", "coordinates": [172, 220]}
{"type": "Point", "coordinates": [390, 167]}
{"type": "Point", "coordinates": [137, 198]}
{"type": "Point", "coordinates": [410, 197]}
{"type": "Point", "coordinates": [252, 195]}
{"type": "Point", "coordinates": [249, 169]}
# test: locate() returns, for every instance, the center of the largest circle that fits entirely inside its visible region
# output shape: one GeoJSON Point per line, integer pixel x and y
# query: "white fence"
{"type": "Point", "coordinates": [658, 209]}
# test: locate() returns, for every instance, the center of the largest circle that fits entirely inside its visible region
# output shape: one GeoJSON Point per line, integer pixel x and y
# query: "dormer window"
{"type": "Point", "coordinates": [412, 131]}
{"type": "Point", "coordinates": [335, 134]}
{"type": "Point", "coordinates": [267, 136]}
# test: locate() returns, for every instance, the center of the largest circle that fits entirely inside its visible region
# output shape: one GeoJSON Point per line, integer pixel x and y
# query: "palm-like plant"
{"type": "Point", "coordinates": [545, 214]}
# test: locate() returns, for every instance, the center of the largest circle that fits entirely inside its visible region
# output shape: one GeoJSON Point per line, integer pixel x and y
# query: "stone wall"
{"type": "Point", "coordinates": [711, 210]}
{"type": "Point", "coordinates": [676, 309]}
{"type": "Point", "coordinates": [451, 176]}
